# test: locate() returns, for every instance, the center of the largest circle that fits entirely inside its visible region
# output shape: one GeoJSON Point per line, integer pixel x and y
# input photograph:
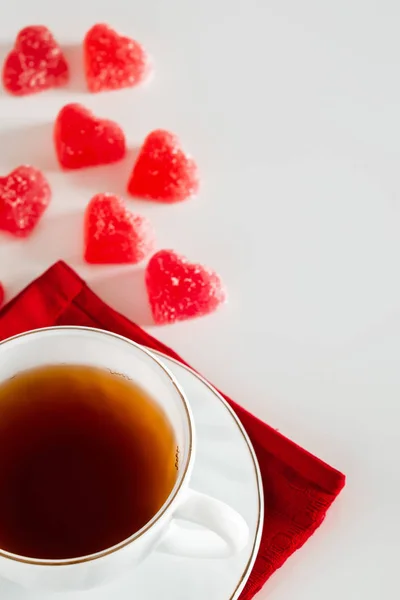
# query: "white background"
{"type": "Point", "coordinates": [292, 110]}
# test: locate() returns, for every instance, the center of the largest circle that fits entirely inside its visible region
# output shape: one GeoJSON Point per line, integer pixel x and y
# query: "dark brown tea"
{"type": "Point", "coordinates": [86, 459]}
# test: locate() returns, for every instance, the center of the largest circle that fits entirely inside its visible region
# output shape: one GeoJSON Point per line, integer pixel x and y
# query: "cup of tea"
{"type": "Point", "coordinates": [97, 445]}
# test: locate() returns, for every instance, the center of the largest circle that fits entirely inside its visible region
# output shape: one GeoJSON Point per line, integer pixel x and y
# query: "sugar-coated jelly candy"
{"type": "Point", "coordinates": [113, 235]}
{"type": "Point", "coordinates": [179, 290]}
{"type": "Point", "coordinates": [35, 63]}
{"type": "Point", "coordinates": [24, 196]}
{"type": "Point", "coordinates": [113, 61]}
{"type": "Point", "coordinates": [83, 140]}
{"type": "Point", "coordinates": [163, 171]}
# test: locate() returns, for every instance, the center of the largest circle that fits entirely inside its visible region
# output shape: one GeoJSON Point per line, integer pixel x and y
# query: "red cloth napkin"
{"type": "Point", "coordinates": [298, 487]}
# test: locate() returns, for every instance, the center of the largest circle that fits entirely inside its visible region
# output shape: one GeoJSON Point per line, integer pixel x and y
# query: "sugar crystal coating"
{"type": "Point", "coordinates": [162, 171]}
{"type": "Point", "coordinates": [113, 235]}
{"type": "Point", "coordinates": [179, 290]}
{"type": "Point", "coordinates": [113, 61]}
{"type": "Point", "coordinates": [35, 63]}
{"type": "Point", "coordinates": [24, 196]}
{"type": "Point", "coordinates": [83, 140]}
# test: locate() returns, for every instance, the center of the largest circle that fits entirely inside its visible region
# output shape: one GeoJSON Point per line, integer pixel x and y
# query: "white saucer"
{"type": "Point", "coordinates": [225, 468]}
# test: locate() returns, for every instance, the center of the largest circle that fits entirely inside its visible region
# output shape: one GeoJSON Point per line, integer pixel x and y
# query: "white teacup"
{"type": "Point", "coordinates": [223, 532]}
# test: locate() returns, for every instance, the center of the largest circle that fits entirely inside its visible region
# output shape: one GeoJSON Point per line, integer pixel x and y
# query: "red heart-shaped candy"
{"type": "Point", "coordinates": [36, 63]}
{"type": "Point", "coordinates": [112, 61]}
{"type": "Point", "coordinates": [82, 140]}
{"type": "Point", "coordinates": [162, 171]}
{"type": "Point", "coordinates": [24, 196]}
{"type": "Point", "coordinates": [113, 235]}
{"type": "Point", "coordinates": [179, 290]}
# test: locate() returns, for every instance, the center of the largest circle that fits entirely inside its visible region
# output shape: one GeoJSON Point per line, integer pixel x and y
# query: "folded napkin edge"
{"type": "Point", "coordinates": [298, 487]}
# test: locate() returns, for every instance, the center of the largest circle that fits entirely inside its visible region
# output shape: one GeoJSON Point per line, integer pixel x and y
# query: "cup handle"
{"type": "Point", "coordinates": [224, 531]}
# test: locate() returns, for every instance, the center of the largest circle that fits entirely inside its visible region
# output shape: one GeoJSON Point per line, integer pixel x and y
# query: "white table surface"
{"type": "Point", "coordinates": [292, 110]}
